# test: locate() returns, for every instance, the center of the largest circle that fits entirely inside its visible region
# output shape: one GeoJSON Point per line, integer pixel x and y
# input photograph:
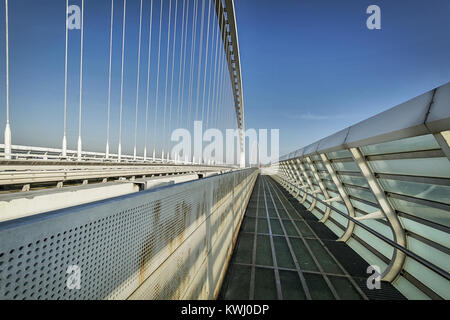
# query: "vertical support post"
{"type": "Point", "coordinates": [398, 257]}
{"type": "Point", "coordinates": [291, 175]}
{"type": "Point", "coordinates": [321, 186]}
{"type": "Point", "coordinates": [7, 128]}
{"type": "Point", "coordinates": [344, 196]}
{"type": "Point", "coordinates": [64, 141]}
{"type": "Point", "coordinates": [301, 180]}
{"type": "Point", "coordinates": [109, 81]}
{"type": "Point", "coordinates": [311, 186]}
{"type": "Point", "coordinates": [79, 147]}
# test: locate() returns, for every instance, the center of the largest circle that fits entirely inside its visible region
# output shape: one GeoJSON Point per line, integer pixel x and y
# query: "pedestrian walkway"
{"type": "Point", "coordinates": [283, 252]}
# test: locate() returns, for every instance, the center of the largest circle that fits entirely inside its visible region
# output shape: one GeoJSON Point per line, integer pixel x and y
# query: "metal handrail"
{"type": "Point", "coordinates": [406, 251]}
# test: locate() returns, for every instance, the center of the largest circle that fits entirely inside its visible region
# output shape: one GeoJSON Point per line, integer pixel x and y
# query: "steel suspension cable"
{"type": "Point", "coordinates": [81, 82]}
{"type": "Point", "coordinates": [157, 81]}
{"type": "Point", "coordinates": [218, 92]}
{"type": "Point", "coordinates": [64, 142]}
{"type": "Point", "coordinates": [219, 65]}
{"type": "Point", "coordinates": [166, 80]}
{"type": "Point", "coordinates": [200, 59]}
{"type": "Point", "coordinates": [184, 64]}
{"type": "Point", "coordinates": [191, 65]}
{"type": "Point", "coordinates": [148, 78]}
{"type": "Point", "coordinates": [224, 82]}
{"type": "Point", "coordinates": [219, 73]}
{"type": "Point", "coordinates": [211, 69]}
{"type": "Point", "coordinates": [119, 152]}
{"type": "Point", "coordinates": [181, 64]}
{"type": "Point", "coordinates": [206, 60]}
{"type": "Point", "coordinates": [222, 96]}
{"type": "Point", "coordinates": [109, 79]}
{"type": "Point", "coordinates": [171, 80]}
{"type": "Point", "coordinates": [7, 128]}
{"type": "Point", "coordinates": [212, 90]}
{"type": "Point", "coordinates": [137, 81]}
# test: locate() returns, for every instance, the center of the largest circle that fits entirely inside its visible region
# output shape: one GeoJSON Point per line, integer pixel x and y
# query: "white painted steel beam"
{"type": "Point", "coordinates": [321, 186]}
{"type": "Point", "coordinates": [348, 204]}
{"type": "Point", "coordinates": [311, 186]}
{"type": "Point", "coordinates": [398, 258]}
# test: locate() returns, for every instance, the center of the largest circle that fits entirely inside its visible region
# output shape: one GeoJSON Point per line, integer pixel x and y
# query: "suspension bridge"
{"type": "Point", "coordinates": [102, 206]}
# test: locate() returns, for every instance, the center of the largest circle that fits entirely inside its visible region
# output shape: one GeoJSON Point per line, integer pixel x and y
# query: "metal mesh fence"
{"type": "Point", "coordinates": [168, 243]}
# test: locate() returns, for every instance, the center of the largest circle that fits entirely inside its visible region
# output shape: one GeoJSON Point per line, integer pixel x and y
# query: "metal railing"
{"type": "Point", "coordinates": [167, 243]}
{"type": "Point", "coordinates": [382, 186]}
{"type": "Point", "coordinates": [409, 253]}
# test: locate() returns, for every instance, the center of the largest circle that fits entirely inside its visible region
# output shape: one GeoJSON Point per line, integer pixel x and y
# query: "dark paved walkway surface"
{"type": "Point", "coordinates": [283, 252]}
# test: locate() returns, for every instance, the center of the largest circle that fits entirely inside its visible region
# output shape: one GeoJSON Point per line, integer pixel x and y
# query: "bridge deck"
{"type": "Point", "coordinates": [283, 252]}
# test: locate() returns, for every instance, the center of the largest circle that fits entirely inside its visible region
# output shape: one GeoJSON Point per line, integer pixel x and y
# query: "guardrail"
{"type": "Point", "coordinates": [17, 172]}
{"type": "Point", "coordinates": [29, 153]}
{"type": "Point", "coordinates": [383, 187]}
{"type": "Point", "coordinates": [166, 243]}
{"type": "Point", "coordinates": [440, 271]}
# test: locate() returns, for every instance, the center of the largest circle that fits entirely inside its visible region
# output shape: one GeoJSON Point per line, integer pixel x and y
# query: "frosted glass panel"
{"type": "Point", "coordinates": [339, 154]}
{"type": "Point", "coordinates": [358, 181]}
{"type": "Point", "coordinates": [320, 166]}
{"type": "Point", "coordinates": [346, 166]}
{"type": "Point", "coordinates": [324, 175]}
{"type": "Point", "coordinates": [434, 281]}
{"type": "Point", "coordinates": [418, 190]}
{"type": "Point", "coordinates": [366, 254]}
{"type": "Point", "coordinates": [374, 242]}
{"type": "Point", "coordinates": [431, 167]}
{"type": "Point", "coordinates": [362, 194]}
{"type": "Point", "coordinates": [425, 142]}
{"type": "Point", "coordinates": [363, 207]}
{"type": "Point", "coordinates": [427, 232]}
{"type": "Point", "coordinates": [409, 290]}
{"type": "Point", "coordinates": [336, 230]}
{"type": "Point", "coordinates": [378, 227]}
{"type": "Point", "coordinates": [321, 206]}
{"type": "Point", "coordinates": [340, 219]}
{"type": "Point", "coordinates": [330, 185]}
{"type": "Point", "coordinates": [433, 255]}
{"type": "Point", "coordinates": [432, 214]}
{"type": "Point", "coordinates": [340, 207]}
{"type": "Point", "coordinates": [332, 194]}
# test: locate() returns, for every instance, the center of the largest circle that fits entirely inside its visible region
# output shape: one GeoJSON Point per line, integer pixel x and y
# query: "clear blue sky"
{"type": "Point", "coordinates": [312, 67]}
{"type": "Point", "coordinates": [309, 67]}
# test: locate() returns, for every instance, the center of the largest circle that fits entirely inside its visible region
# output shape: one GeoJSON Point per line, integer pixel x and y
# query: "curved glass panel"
{"type": "Point", "coordinates": [419, 210]}
{"type": "Point", "coordinates": [346, 166]}
{"type": "Point", "coordinates": [319, 165]}
{"type": "Point", "coordinates": [362, 206]}
{"type": "Point", "coordinates": [418, 190]}
{"type": "Point", "coordinates": [362, 194]}
{"type": "Point", "coordinates": [358, 181]}
{"type": "Point", "coordinates": [430, 167]}
{"type": "Point", "coordinates": [339, 154]}
{"type": "Point", "coordinates": [324, 175]}
{"type": "Point", "coordinates": [330, 185]}
{"type": "Point", "coordinates": [426, 142]}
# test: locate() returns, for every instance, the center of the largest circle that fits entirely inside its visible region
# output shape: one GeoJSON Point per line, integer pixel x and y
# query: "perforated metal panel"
{"type": "Point", "coordinates": [168, 243]}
